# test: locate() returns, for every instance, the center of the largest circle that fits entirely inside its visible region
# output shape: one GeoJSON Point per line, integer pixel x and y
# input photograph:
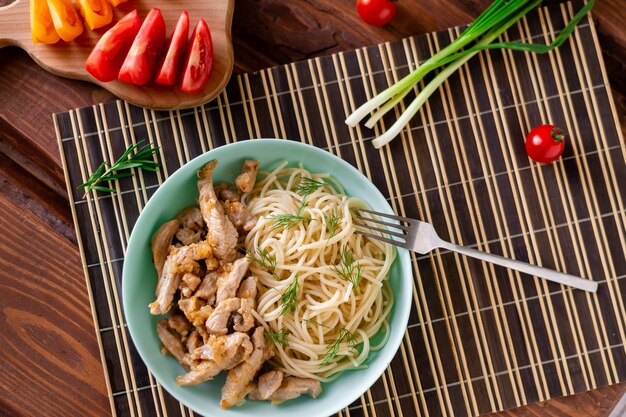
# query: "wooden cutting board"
{"type": "Point", "coordinates": [68, 59]}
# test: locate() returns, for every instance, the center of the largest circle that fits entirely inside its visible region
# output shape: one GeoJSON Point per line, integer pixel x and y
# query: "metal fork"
{"type": "Point", "coordinates": [421, 237]}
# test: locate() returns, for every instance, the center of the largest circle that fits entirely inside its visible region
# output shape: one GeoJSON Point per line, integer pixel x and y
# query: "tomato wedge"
{"type": "Point", "coordinates": [106, 59]}
{"type": "Point", "coordinates": [140, 63]}
{"type": "Point", "coordinates": [168, 71]}
{"type": "Point", "coordinates": [199, 60]}
{"type": "Point", "coordinates": [97, 13]}
{"type": "Point", "coordinates": [66, 20]}
{"type": "Point", "coordinates": [41, 26]}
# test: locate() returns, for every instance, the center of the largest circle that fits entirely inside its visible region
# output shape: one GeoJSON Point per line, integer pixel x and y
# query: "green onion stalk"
{"type": "Point", "coordinates": [493, 22]}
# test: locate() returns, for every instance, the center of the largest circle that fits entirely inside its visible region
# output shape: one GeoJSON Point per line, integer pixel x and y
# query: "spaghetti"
{"type": "Point", "coordinates": [323, 290]}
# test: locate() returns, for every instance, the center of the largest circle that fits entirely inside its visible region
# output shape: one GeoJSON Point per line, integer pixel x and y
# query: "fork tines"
{"type": "Point", "coordinates": [396, 237]}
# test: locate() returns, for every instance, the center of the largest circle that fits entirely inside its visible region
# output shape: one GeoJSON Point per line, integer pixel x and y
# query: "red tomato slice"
{"type": "Point", "coordinates": [140, 63]}
{"type": "Point", "coordinates": [106, 59]}
{"type": "Point", "coordinates": [168, 71]}
{"type": "Point", "coordinates": [199, 60]}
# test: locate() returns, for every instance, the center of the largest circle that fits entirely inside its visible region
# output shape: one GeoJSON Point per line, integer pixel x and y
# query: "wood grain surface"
{"type": "Point", "coordinates": [67, 59]}
{"type": "Point", "coordinates": [48, 347]}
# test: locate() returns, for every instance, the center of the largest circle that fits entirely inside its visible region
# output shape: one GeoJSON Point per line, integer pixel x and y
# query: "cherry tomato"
{"type": "Point", "coordinates": [107, 57]}
{"type": "Point", "coordinates": [376, 12]}
{"type": "Point", "coordinates": [545, 143]}
{"type": "Point", "coordinates": [169, 68]}
{"type": "Point", "coordinates": [199, 60]}
{"type": "Point", "coordinates": [140, 63]}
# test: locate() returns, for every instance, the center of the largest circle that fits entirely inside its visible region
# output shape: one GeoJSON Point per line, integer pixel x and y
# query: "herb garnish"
{"type": "Point", "coordinates": [348, 269]}
{"type": "Point", "coordinates": [307, 186]}
{"type": "Point", "coordinates": [279, 337]}
{"type": "Point", "coordinates": [107, 172]}
{"type": "Point", "coordinates": [289, 298]}
{"type": "Point", "coordinates": [332, 223]}
{"type": "Point", "coordinates": [288, 221]}
{"type": "Point", "coordinates": [263, 258]}
{"type": "Point", "coordinates": [315, 323]}
{"type": "Point", "coordinates": [334, 345]}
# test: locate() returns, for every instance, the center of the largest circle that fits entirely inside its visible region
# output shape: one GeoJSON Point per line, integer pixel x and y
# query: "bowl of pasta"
{"type": "Point", "coordinates": [247, 288]}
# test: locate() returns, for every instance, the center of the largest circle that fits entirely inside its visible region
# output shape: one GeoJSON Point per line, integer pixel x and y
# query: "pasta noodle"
{"type": "Point", "coordinates": [337, 279]}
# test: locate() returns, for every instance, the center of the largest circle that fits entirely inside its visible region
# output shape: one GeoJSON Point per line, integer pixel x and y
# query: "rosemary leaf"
{"type": "Point", "coordinates": [135, 156]}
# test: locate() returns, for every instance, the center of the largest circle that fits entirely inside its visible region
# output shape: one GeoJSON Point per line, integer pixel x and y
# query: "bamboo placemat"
{"type": "Point", "coordinates": [480, 338]}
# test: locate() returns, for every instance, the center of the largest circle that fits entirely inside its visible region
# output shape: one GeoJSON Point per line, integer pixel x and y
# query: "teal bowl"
{"type": "Point", "coordinates": [139, 279]}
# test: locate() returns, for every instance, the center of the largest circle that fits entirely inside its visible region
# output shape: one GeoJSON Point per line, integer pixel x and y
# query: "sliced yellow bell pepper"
{"type": "Point", "coordinates": [116, 3]}
{"type": "Point", "coordinates": [41, 26]}
{"type": "Point", "coordinates": [66, 20]}
{"type": "Point", "coordinates": [97, 13]}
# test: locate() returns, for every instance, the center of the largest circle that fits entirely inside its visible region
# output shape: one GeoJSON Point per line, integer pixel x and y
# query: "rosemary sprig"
{"type": "Point", "coordinates": [332, 223]}
{"type": "Point", "coordinates": [288, 221]}
{"type": "Point", "coordinates": [348, 269]}
{"type": "Point", "coordinates": [289, 298]}
{"type": "Point", "coordinates": [107, 172]}
{"type": "Point", "coordinates": [263, 258]}
{"type": "Point", "coordinates": [334, 346]}
{"type": "Point", "coordinates": [279, 337]}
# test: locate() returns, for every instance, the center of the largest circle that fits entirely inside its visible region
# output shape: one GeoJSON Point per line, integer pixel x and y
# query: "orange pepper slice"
{"type": "Point", "coordinates": [41, 26]}
{"type": "Point", "coordinates": [66, 20]}
{"type": "Point", "coordinates": [116, 3]}
{"type": "Point", "coordinates": [97, 13]}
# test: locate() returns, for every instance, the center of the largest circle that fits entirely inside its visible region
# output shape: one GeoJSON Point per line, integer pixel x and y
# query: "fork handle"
{"type": "Point", "coordinates": [549, 274]}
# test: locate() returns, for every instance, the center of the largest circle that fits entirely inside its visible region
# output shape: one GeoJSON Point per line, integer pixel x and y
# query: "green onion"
{"type": "Point", "coordinates": [481, 34]}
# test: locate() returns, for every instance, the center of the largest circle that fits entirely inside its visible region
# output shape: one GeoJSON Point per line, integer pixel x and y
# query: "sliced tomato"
{"type": "Point", "coordinates": [140, 63]}
{"type": "Point", "coordinates": [41, 26]}
{"type": "Point", "coordinates": [199, 60]}
{"type": "Point", "coordinates": [107, 57]}
{"type": "Point", "coordinates": [65, 18]}
{"type": "Point", "coordinates": [169, 68]}
{"type": "Point", "coordinates": [97, 13]}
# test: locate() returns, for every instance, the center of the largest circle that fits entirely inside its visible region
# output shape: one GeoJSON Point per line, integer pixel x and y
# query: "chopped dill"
{"type": "Point", "coordinates": [263, 258]}
{"type": "Point", "coordinates": [289, 297]}
{"type": "Point", "coordinates": [288, 221]}
{"type": "Point", "coordinates": [308, 186]}
{"type": "Point", "coordinates": [279, 337]}
{"type": "Point", "coordinates": [332, 221]}
{"type": "Point", "coordinates": [334, 346]}
{"type": "Point", "coordinates": [315, 323]}
{"type": "Point", "coordinates": [348, 269]}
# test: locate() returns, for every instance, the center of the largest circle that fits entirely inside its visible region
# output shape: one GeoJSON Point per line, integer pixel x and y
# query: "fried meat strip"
{"type": "Point", "coordinates": [222, 235]}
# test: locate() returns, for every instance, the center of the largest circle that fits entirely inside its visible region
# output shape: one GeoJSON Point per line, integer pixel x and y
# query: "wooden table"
{"type": "Point", "coordinates": [48, 349]}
